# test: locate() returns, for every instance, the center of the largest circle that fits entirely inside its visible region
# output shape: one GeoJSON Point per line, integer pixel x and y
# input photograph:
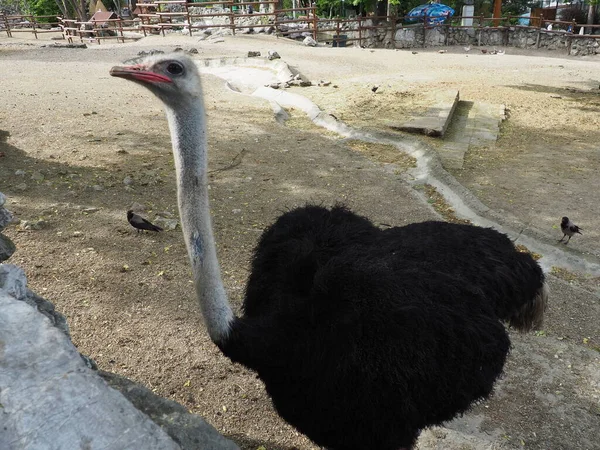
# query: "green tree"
{"type": "Point", "coordinates": [44, 8]}
{"type": "Point", "coordinates": [516, 7]}
{"type": "Point", "coordinates": [592, 5]}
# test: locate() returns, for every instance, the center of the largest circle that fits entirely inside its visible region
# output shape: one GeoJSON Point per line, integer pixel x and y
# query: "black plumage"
{"type": "Point", "coordinates": [482, 257]}
{"type": "Point", "coordinates": [363, 337]}
{"type": "Point", "coordinates": [139, 223]}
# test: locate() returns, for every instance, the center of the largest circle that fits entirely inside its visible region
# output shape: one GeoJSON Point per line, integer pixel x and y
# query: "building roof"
{"type": "Point", "coordinates": [100, 17]}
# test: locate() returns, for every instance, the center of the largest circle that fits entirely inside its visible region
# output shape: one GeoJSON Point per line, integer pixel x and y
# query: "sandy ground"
{"type": "Point", "coordinates": [70, 135]}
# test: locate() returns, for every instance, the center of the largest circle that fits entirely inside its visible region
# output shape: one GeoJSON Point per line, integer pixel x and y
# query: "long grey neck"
{"type": "Point", "coordinates": [188, 133]}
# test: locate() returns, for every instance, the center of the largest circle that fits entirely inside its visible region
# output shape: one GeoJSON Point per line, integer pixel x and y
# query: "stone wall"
{"type": "Point", "coordinates": [533, 38]}
{"type": "Point", "coordinates": [378, 33]}
{"type": "Point", "coordinates": [380, 37]}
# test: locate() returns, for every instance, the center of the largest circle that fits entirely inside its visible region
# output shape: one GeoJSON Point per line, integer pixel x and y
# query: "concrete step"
{"type": "Point", "coordinates": [436, 120]}
{"type": "Point", "coordinates": [472, 124]}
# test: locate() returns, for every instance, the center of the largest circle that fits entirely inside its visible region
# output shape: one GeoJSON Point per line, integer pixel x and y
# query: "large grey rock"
{"type": "Point", "coordinates": [166, 223]}
{"type": "Point", "coordinates": [188, 430]}
{"type": "Point", "coordinates": [309, 42]}
{"type": "Point", "coordinates": [5, 218]}
{"type": "Point", "coordinates": [14, 282]}
{"type": "Point", "coordinates": [51, 399]}
{"type": "Point", "coordinates": [7, 248]}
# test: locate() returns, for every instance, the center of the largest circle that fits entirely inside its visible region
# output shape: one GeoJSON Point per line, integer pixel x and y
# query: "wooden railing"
{"type": "Point", "coordinates": [97, 30]}
{"type": "Point", "coordinates": [158, 16]}
{"type": "Point", "coordinates": [27, 23]}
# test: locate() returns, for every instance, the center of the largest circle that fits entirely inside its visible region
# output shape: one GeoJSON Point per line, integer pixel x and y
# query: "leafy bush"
{"type": "Point", "coordinates": [44, 8]}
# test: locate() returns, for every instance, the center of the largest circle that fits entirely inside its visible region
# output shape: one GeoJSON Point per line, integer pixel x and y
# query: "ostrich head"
{"type": "Point", "coordinates": [172, 78]}
{"type": "Point", "coordinates": [175, 80]}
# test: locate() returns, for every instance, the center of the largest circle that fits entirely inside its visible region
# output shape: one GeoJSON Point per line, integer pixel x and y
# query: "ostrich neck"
{"type": "Point", "coordinates": [188, 134]}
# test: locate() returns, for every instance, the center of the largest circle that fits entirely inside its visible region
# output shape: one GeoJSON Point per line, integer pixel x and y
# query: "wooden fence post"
{"type": "Point", "coordinates": [231, 18]}
{"type": "Point", "coordinates": [7, 25]}
{"type": "Point", "coordinates": [189, 19]}
{"type": "Point", "coordinates": [539, 33]}
{"type": "Point", "coordinates": [315, 20]}
{"type": "Point", "coordinates": [120, 30]}
{"type": "Point", "coordinates": [359, 31]}
{"type": "Point", "coordinates": [33, 23]}
{"type": "Point", "coordinates": [394, 21]}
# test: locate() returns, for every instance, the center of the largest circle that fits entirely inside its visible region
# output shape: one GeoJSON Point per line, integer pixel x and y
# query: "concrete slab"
{"type": "Point", "coordinates": [436, 120]}
{"type": "Point", "coordinates": [472, 124]}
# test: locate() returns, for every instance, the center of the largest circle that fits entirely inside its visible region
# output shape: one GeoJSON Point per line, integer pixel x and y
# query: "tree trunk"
{"type": "Point", "coordinates": [64, 10]}
{"type": "Point", "coordinates": [83, 15]}
{"type": "Point", "coordinates": [590, 17]}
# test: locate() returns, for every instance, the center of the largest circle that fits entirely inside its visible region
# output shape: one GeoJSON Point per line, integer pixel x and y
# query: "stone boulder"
{"type": "Point", "coordinates": [52, 398]}
{"type": "Point", "coordinates": [7, 247]}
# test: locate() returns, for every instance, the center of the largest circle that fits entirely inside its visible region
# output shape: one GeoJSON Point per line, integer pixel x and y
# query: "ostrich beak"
{"type": "Point", "coordinates": [139, 72]}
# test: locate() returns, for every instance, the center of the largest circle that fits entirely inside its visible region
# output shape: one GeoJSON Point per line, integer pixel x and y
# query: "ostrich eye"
{"type": "Point", "coordinates": [175, 68]}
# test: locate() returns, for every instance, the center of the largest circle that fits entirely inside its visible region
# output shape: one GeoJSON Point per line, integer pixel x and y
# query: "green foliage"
{"type": "Point", "coordinates": [44, 8]}
{"type": "Point", "coordinates": [327, 8]}
{"type": "Point", "coordinates": [516, 7]}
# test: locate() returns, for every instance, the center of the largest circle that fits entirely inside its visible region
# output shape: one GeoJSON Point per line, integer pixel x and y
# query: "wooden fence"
{"type": "Point", "coordinates": [97, 30]}
{"type": "Point", "coordinates": [157, 16]}
{"type": "Point", "coordinates": [27, 23]}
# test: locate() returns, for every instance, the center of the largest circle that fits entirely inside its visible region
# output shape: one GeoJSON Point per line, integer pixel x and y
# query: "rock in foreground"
{"type": "Point", "coordinates": [51, 398]}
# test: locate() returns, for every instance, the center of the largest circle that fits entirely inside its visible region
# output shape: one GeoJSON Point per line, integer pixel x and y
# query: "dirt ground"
{"type": "Point", "coordinates": [78, 148]}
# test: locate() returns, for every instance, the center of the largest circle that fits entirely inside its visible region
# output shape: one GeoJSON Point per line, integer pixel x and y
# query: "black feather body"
{"type": "Point", "coordinates": [139, 223]}
{"type": "Point", "coordinates": [483, 258]}
{"type": "Point", "coordinates": [364, 337]}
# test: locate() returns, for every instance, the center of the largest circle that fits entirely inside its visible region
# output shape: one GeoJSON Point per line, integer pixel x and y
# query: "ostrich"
{"type": "Point", "coordinates": [358, 345]}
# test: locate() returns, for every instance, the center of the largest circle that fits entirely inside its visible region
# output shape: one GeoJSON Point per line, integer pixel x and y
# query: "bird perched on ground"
{"type": "Point", "coordinates": [139, 223]}
{"type": "Point", "coordinates": [467, 48]}
{"type": "Point", "coordinates": [484, 50]}
{"type": "Point", "coordinates": [374, 89]}
{"type": "Point", "coordinates": [415, 53]}
{"type": "Point", "coordinates": [501, 52]}
{"type": "Point", "coordinates": [569, 229]}
{"type": "Point", "coordinates": [359, 344]}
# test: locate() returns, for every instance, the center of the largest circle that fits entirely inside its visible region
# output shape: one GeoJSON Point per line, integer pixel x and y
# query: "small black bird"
{"type": "Point", "coordinates": [374, 89]}
{"type": "Point", "coordinates": [140, 223]}
{"type": "Point", "coordinates": [568, 228]}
